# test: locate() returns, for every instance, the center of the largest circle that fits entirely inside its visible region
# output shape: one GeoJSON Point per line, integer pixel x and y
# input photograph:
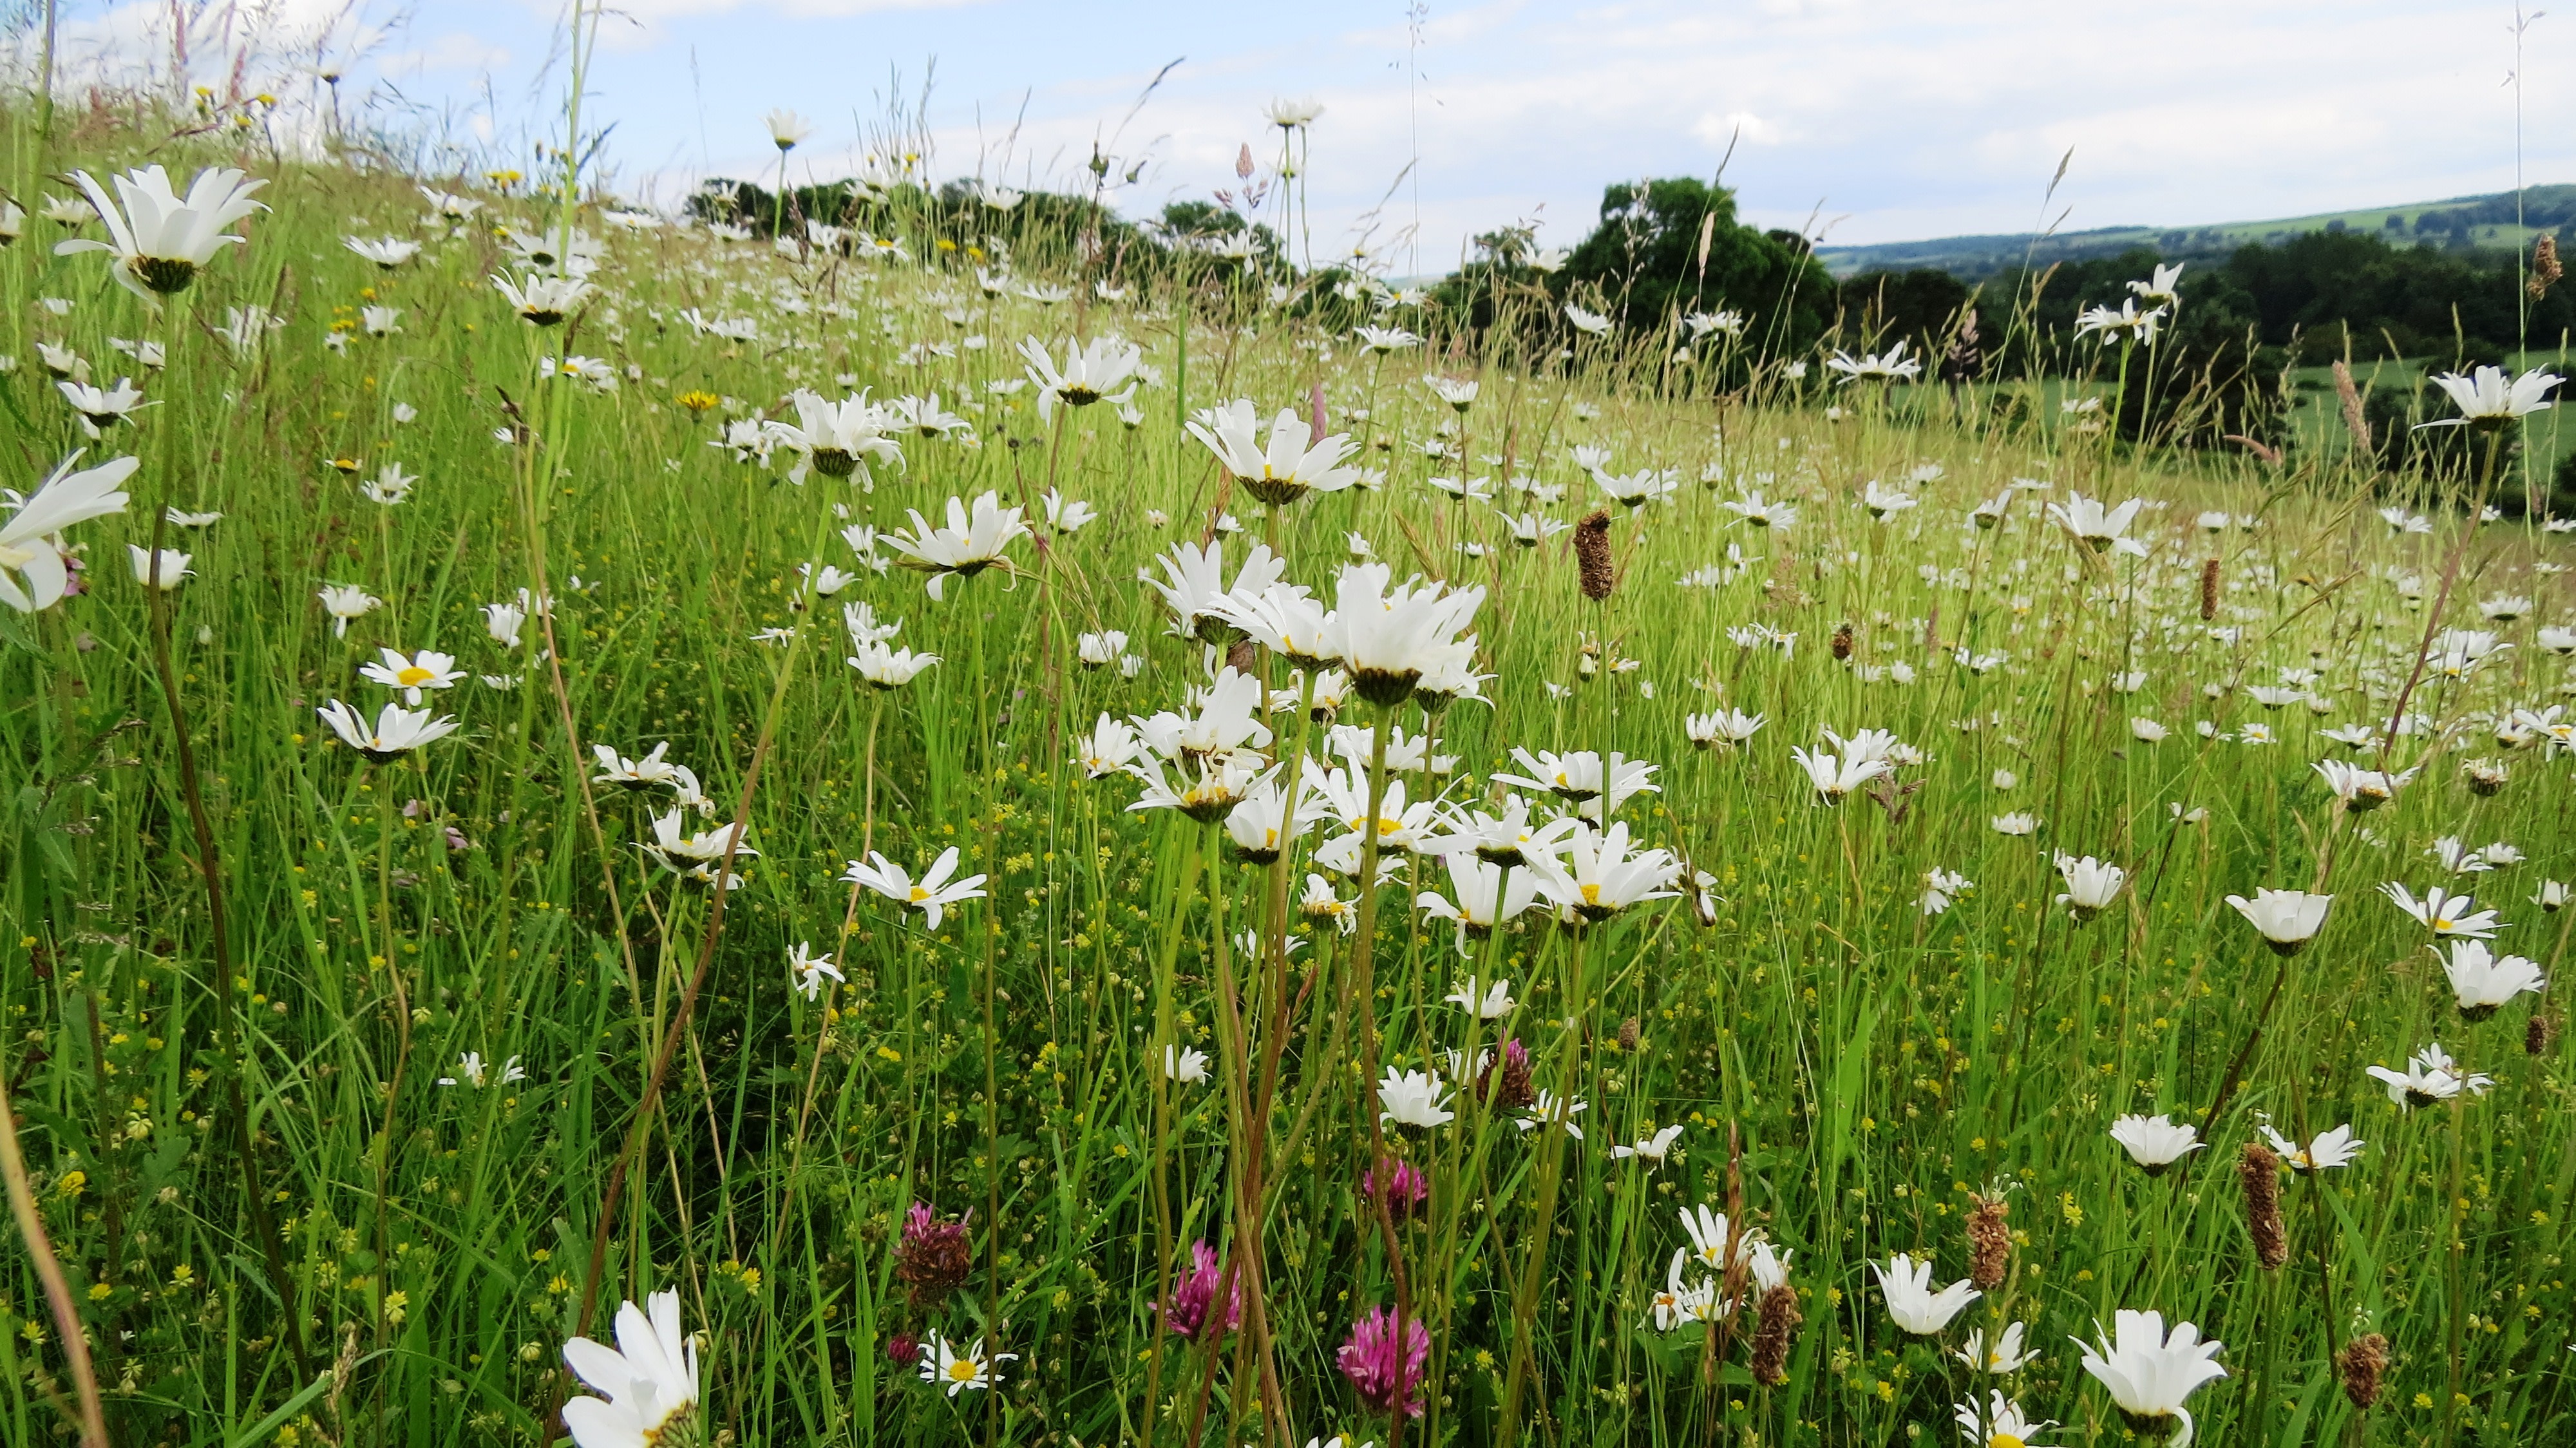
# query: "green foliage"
{"type": "Point", "coordinates": [1844, 1066]}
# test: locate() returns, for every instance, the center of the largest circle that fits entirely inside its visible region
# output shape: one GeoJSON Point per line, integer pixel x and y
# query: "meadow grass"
{"type": "Point", "coordinates": [289, 1212]}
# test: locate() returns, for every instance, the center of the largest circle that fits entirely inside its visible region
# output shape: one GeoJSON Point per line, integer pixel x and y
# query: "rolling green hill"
{"type": "Point", "coordinates": [2467, 222]}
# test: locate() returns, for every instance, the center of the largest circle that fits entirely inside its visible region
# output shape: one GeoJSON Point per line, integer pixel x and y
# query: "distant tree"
{"type": "Point", "coordinates": [1921, 306]}
{"type": "Point", "coordinates": [1644, 265]}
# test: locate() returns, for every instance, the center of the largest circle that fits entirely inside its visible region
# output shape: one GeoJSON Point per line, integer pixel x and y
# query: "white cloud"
{"type": "Point", "coordinates": [1942, 115]}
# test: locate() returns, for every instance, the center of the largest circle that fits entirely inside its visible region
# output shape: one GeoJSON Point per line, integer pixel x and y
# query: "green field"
{"type": "Point", "coordinates": [2481, 222]}
{"type": "Point", "coordinates": [354, 1078]}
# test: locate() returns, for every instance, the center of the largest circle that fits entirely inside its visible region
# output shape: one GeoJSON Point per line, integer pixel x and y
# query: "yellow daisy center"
{"type": "Point", "coordinates": [412, 676]}
{"type": "Point", "coordinates": [1591, 894]}
{"type": "Point", "coordinates": [2004, 1440]}
{"type": "Point", "coordinates": [919, 894]}
{"type": "Point", "coordinates": [963, 1370]}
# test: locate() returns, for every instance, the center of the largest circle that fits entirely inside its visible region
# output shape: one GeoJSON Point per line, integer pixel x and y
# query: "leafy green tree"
{"type": "Point", "coordinates": [1644, 264]}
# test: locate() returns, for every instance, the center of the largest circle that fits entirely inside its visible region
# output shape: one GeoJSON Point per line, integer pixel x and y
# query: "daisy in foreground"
{"type": "Point", "coordinates": [2148, 1373]}
{"type": "Point", "coordinates": [159, 238]}
{"type": "Point", "coordinates": [942, 1362]}
{"type": "Point", "coordinates": [650, 1378]}
{"type": "Point", "coordinates": [932, 894]}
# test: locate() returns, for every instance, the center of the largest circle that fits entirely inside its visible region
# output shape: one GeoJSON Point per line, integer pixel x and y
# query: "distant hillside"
{"type": "Point", "coordinates": [2467, 223]}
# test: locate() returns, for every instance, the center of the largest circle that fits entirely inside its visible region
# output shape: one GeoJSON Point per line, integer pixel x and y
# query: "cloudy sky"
{"type": "Point", "coordinates": [1879, 120]}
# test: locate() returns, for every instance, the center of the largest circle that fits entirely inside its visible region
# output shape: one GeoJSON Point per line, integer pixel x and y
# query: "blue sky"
{"type": "Point", "coordinates": [1879, 120]}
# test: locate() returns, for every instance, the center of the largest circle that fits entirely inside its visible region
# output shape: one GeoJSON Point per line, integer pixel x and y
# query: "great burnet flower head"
{"type": "Point", "coordinates": [158, 237]}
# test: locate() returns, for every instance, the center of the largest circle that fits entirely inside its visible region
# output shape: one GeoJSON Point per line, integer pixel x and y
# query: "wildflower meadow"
{"type": "Point", "coordinates": [919, 820]}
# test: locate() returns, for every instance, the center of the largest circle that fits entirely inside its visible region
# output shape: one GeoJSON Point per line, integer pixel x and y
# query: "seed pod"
{"type": "Point", "coordinates": [2361, 1362]}
{"type": "Point", "coordinates": [1989, 1243]}
{"type": "Point", "coordinates": [2539, 1034]}
{"type": "Point", "coordinates": [1775, 1331]}
{"type": "Point", "coordinates": [1843, 642]}
{"type": "Point", "coordinates": [1628, 1034]}
{"type": "Point", "coordinates": [2260, 1170]}
{"type": "Point", "coordinates": [2355, 420]}
{"type": "Point", "coordinates": [2544, 268]}
{"type": "Point", "coordinates": [1592, 555]}
{"type": "Point", "coordinates": [1239, 658]}
{"type": "Point", "coordinates": [2209, 589]}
